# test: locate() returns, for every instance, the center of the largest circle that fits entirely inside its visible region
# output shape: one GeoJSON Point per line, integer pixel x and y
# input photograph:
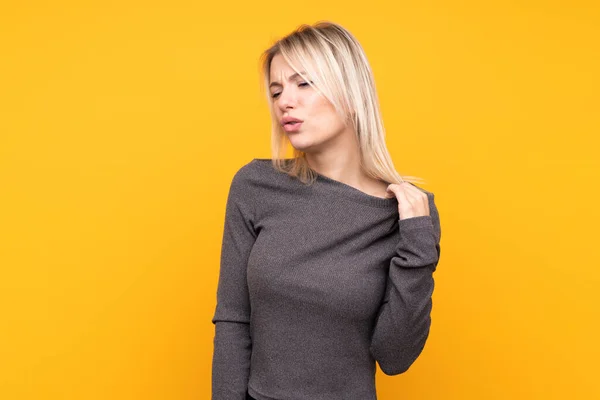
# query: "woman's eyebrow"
{"type": "Point", "coordinates": [291, 78]}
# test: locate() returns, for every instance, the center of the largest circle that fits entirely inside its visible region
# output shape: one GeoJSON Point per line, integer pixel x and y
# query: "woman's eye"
{"type": "Point", "coordinates": [275, 95]}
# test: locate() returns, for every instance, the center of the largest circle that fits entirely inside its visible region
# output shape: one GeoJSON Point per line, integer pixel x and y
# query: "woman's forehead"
{"type": "Point", "coordinates": [281, 70]}
{"type": "Point", "coordinates": [280, 67]}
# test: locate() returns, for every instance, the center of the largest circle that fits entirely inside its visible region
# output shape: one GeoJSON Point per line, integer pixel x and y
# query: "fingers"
{"type": "Point", "coordinates": [420, 197]}
{"type": "Point", "coordinates": [411, 199]}
{"type": "Point", "coordinates": [408, 188]}
{"type": "Point", "coordinates": [398, 190]}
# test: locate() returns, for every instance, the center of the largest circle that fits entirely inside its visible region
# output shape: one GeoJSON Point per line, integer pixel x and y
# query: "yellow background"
{"type": "Point", "coordinates": [122, 123]}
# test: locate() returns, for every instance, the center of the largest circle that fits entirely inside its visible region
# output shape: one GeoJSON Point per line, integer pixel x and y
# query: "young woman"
{"type": "Point", "coordinates": [327, 257]}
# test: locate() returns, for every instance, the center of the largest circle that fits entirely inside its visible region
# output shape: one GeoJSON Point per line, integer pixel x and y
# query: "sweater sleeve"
{"type": "Point", "coordinates": [232, 341]}
{"type": "Point", "coordinates": [404, 318]}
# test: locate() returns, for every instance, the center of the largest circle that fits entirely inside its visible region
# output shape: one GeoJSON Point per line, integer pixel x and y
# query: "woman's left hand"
{"type": "Point", "coordinates": [412, 202]}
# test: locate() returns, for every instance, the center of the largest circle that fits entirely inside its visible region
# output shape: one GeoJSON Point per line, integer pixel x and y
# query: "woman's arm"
{"type": "Point", "coordinates": [232, 342]}
{"type": "Point", "coordinates": [404, 319]}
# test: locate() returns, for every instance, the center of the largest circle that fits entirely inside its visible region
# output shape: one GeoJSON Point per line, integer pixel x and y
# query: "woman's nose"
{"type": "Point", "coordinates": [287, 99]}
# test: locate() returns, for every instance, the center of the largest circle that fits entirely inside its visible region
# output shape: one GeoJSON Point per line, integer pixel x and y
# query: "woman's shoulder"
{"type": "Point", "coordinates": [258, 172]}
{"type": "Point", "coordinates": [254, 169]}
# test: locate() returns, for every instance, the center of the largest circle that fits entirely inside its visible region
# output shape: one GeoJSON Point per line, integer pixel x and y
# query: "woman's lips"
{"type": "Point", "coordinates": [292, 127]}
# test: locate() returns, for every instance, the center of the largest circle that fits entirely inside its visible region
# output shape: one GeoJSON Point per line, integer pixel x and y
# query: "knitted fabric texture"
{"type": "Point", "coordinates": [317, 284]}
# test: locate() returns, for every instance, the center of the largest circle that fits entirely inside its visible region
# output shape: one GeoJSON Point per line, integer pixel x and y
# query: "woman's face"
{"type": "Point", "coordinates": [293, 97]}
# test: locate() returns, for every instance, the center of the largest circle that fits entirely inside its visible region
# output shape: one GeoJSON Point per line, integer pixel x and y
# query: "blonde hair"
{"type": "Point", "coordinates": [338, 69]}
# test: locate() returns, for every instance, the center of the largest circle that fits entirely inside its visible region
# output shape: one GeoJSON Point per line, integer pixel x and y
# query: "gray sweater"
{"type": "Point", "coordinates": [316, 283]}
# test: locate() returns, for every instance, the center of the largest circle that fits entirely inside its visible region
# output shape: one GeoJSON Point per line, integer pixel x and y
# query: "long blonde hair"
{"type": "Point", "coordinates": [338, 69]}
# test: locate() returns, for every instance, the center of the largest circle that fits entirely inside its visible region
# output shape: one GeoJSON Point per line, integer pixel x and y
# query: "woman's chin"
{"type": "Point", "coordinates": [300, 144]}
